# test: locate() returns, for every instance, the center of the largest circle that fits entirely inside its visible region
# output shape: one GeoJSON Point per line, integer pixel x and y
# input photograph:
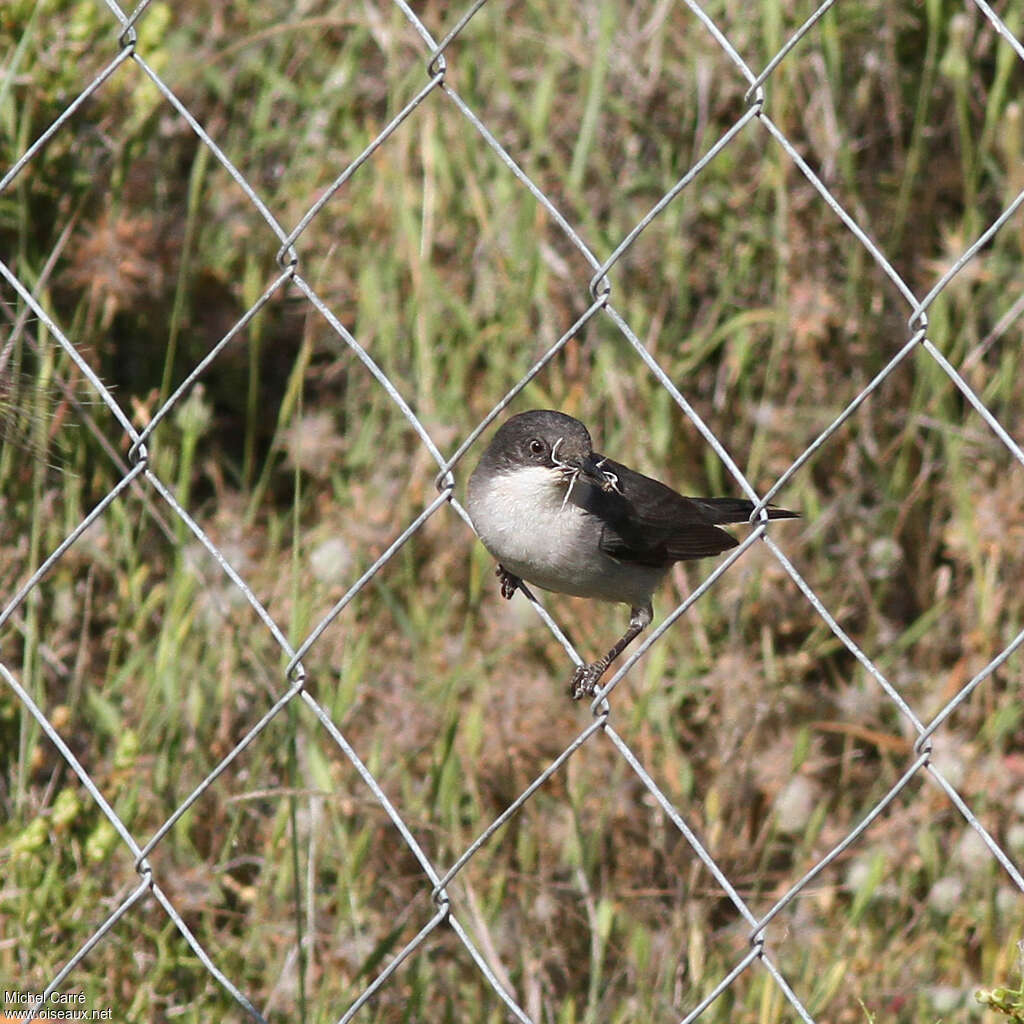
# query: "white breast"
{"type": "Point", "coordinates": [524, 521]}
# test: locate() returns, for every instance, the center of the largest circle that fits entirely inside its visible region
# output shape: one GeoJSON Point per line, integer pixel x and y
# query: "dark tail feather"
{"type": "Point", "coordinates": [736, 510]}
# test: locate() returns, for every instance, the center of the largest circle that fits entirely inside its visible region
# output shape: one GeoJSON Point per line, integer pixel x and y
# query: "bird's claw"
{"type": "Point", "coordinates": [585, 679]}
{"type": "Point", "coordinates": [509, 583]}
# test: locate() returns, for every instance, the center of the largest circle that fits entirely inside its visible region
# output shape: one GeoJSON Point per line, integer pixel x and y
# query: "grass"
{"type": "Point", "coordinates": [754, 720]}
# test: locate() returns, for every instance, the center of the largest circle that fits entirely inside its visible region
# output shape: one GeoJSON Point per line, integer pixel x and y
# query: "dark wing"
{"type": "Point", "coordinates": [650, 524]}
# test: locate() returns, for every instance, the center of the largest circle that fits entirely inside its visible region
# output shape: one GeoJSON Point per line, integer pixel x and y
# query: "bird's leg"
{"type": "Point", "coordinates": [585, 678]}
{"type": "Point", "coordinates": [509, 583]}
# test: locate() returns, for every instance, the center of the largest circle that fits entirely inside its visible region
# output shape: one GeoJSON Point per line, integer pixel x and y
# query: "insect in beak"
{"type": "Point", "coordinates": [609, 482]}
{"type": "Point", "coordinates": [573, 471]}
{"type": "Point", "coordinates": [603, 478]}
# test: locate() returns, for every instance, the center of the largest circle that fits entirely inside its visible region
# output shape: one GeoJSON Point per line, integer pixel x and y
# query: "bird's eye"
{"type": "Point", "coordinates": [537, 446]}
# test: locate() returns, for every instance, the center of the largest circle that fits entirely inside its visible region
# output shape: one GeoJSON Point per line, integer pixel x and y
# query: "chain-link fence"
{"type": "Point", "coordinates": [605, 304]}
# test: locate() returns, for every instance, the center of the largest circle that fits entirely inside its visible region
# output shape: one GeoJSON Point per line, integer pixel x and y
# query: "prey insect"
{"type": "Point", "coordinates": [611, 481]}
{"type": "Point", "coordinates": [574, 471]}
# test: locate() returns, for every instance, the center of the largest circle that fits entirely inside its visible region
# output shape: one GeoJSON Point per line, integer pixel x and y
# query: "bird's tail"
{"type": "Point", "coordinates": [737, 510]}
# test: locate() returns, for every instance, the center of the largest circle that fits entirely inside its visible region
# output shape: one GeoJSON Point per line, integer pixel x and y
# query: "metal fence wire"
{"type": "Point", "coordinates": [602, 304]}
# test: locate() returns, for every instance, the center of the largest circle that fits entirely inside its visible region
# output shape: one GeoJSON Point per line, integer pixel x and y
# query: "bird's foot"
{"type": "Point", "coordinates": [585, 679]}
{"type": "Point", "coordinates": [509, 583]}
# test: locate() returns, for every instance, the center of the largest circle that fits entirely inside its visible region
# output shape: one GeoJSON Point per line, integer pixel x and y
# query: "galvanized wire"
{"type": "Point", "coordinates": [603, 298]}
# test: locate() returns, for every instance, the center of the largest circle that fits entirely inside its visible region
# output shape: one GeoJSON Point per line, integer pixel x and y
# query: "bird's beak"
{"type": "Point", "coordinates": [593, 470]}
{"type": "Point", "coordinates": [590, 470]}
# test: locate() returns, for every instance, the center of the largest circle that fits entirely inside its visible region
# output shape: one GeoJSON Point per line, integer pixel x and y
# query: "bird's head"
{"type": "Point", "coordinates": [547, 439]}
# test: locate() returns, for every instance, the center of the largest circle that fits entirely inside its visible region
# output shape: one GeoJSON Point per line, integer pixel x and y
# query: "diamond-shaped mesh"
{"type": "Point", "coordinates": [605, 305]}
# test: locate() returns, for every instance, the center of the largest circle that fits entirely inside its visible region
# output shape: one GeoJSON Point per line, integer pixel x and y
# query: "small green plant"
{"type": "Point", "coordinates": [1007, 1001]}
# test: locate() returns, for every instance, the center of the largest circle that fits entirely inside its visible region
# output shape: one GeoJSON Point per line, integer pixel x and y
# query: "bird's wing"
{"type": "Point", "coordinates": [647, 523]}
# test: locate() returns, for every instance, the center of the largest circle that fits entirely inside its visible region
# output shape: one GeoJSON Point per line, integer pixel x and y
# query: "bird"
{"type": "Point", "coordinates": [557, 514]}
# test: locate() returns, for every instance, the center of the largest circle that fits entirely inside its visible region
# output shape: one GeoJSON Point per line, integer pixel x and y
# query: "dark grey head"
{"type": "Point", "coordinates": [541, 437]}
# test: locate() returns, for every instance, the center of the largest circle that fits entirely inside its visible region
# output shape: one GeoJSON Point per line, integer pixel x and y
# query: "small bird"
{"type": "Point", "coordinates": [555, 513]}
